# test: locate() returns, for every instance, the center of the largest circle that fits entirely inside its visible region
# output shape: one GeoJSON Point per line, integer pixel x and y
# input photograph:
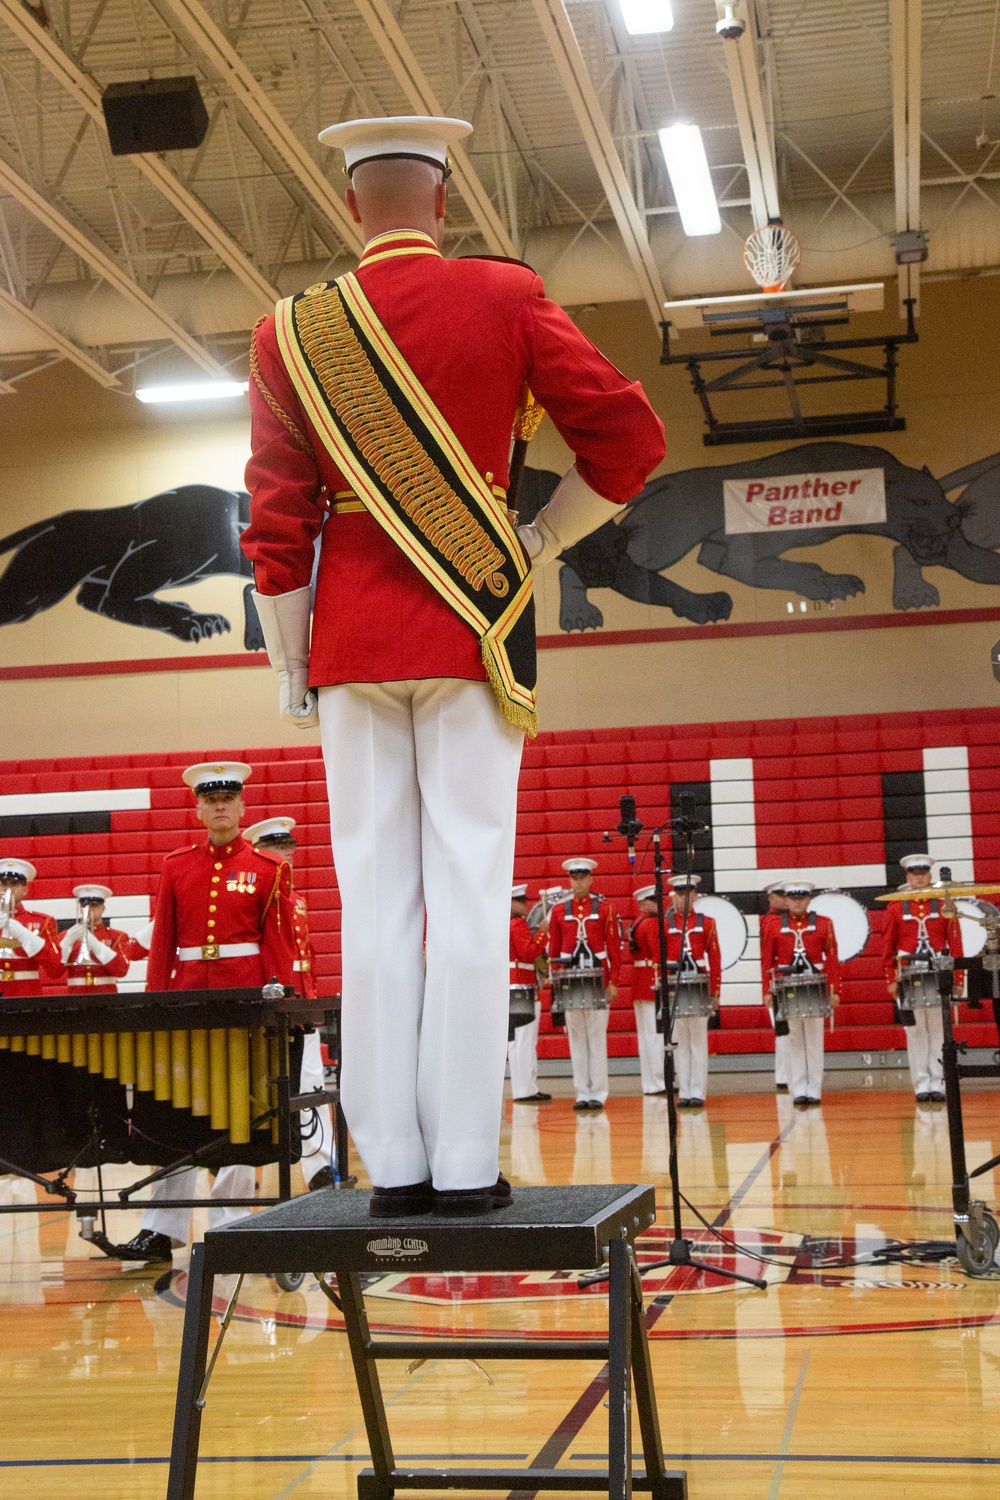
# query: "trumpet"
{"type": "Point", "coordinates": [86, 916]}
{"type": "Point", "coordinates": [6, 907]}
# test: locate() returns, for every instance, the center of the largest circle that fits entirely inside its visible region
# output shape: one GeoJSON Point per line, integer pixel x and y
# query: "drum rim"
{"type": "Point", "coordinates": [715, 896]}
{"type": "Point", "coordinates": [834, 890]}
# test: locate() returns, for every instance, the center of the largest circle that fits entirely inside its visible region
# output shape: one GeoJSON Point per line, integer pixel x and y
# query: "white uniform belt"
{"type": "Point", "coordinates": [642, 963]}
{"type": "Point", "coordinates": [302, 966]}
{"type": "Point", "coordinates": [218, 950]}
{"type": "Point", "coordinates": [97, 979]}
{"type": "Point", "coordinates": [17, 973]}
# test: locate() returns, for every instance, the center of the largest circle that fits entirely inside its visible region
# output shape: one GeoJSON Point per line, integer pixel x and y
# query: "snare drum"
{"type": "Point", "coordinates": [802, 996]}
{"type": "Point", "coordinates": [522, 1004]}
{"type": "Point", "coordinates": [692, 998]}
{"type": "Point", "coordinates": [919, 987]}
{"type": "Point", "coordinates": [579, 989]}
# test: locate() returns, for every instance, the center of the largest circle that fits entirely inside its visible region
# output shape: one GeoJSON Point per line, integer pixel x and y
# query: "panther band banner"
{"type": "Point", "coordinates": [802, 502]}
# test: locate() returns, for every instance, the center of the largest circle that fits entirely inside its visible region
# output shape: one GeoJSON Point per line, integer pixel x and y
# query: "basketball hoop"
{"type": "Point", "coordinates": [771, 254]}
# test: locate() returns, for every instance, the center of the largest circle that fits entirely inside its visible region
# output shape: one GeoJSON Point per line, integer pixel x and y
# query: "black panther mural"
{"type": "Point", "coordinates": [119, 559]}
{"type": "Point", "coordinates": [679, 512]}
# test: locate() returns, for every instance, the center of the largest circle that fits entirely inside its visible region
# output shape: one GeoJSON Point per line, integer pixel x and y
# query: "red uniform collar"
{"type": "Point", "coordinates": [226, 851]}
{"type": "Point", "coordinates": [396, 243]}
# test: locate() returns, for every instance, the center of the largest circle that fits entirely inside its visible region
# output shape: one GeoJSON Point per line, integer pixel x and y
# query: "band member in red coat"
{"type": "Point", "coordinates": [522, 1048]}
{"type": "Point", "coordinates": [694, 945]}
{"type": "Point", "coordinates": [584, 934]}
{"type": "Point", "coordinates": [275, 836]}
{"type": "Point", "coordinates": [95, 956]}
{"type": "Point", "coordinates": [29, 946]}
{"type": "Point", "coordinates": [422, 648]}
{"type": "Point", "coordinates": [644, 944]}
{"type": "Point", "coordinates": [805, 942]}
{"type": "Point", "coordinates": [777, 902]}
{"type": "Point", "coordinates": [222, 919]}
{"type": "Point", "coordinates": [925, 926]}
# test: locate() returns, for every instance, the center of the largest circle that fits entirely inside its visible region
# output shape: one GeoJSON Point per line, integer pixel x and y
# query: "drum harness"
{"type": "Point", "coordinates": [801, 962]}
{"type": "Point", "coordinates": [583, 956]}
{"type": "Point", "coordinates": [688, 962]}
{"type": "Point", "coordinates": [923, 951]}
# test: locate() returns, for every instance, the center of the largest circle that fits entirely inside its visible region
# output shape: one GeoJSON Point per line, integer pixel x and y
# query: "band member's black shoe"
{"type": "Point", "coordinates": [534, 1099]}
{"type": "Point", "coordinates": [462, 1202]}
{"type": "Point", "coordinates": [781, 1088]}
{"type": "Point", "coordinates": [814, 1103]}
{"type": "Point", "coordinates": [322, 1179]}
{"type": "Point", "coordinates": [582, 1104]}
{"type": "Point", "coordinates": [148, 1246]}
{"type": "Point", "coordinates": [801, 1102]}
{"type": "Point", "coordinates": [935, 1098]}
{"type": "Point", "coordinates": [924, 1098]}
{"type": "Point", "coordinates": [400, 1202]}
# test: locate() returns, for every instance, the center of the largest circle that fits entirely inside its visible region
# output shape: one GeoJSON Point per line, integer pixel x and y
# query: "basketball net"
{"type": "Point", "coordinates": [771, 254]}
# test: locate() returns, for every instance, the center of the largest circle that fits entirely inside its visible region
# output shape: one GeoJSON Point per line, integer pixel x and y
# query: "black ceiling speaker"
{"type": "Point", "coordinates": [154, 114]}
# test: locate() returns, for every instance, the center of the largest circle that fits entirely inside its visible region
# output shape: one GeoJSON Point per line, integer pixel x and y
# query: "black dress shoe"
{"type": "Point", "coordinates": [781, 1088]}
{"type": "Point", "coordinates": [582, 1104]}
{"type": "Point", "coordinates": [400, 1202]}
{"type": "Point", "coordinates": [936, 1097]}
{"type": "Point", "coordinates": [594, 1104]}
{"type": "Point", "coordinates": [813, 1103]}
{"type": "Point", "coordinates": [148, 1246]}
{"type": "Point", "coordinates": [463, 1202]}
{"type": "Point", "coordinates": [322, 1179]}
{"type": "Point", "coordinates": [533, 1099]}
{"type": "Point", "coordinates": [800, 1101]}
{"type": "Point", "coordinates": [924, 1098]}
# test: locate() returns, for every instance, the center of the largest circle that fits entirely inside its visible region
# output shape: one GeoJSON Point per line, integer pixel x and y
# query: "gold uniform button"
{"type": "Point", "coordinates": [218, 865]}
{"type": "Point", "coordinates": [211, 908]}
{"type": "Point", "coordinates": [210, 922]}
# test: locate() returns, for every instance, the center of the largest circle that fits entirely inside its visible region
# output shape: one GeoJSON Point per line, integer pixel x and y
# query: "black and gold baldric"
{"type": "Point", "coordinates": [395, 448]}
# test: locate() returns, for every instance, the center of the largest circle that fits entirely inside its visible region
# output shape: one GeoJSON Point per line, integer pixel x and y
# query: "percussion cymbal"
{"type": "Point", "coordinates": [930, 891]}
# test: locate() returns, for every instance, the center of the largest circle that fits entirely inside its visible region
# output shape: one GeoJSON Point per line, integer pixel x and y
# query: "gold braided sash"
{"type": "Point", "coordinates": [406, 465]}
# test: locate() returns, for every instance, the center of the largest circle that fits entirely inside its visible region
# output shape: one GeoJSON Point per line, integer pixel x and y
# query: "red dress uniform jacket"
{"type": "Point", "coordinates": [777, 947]}
{"type": "Point", "coordinates": [305, 958]}
{"type": "Point", "coordinates": [472, 331]}
{"type": "Point", "coordinates": [525, 947]}
{"type": "Point", "coordinates": [24, 975]}
{"type": "Point", "coordinates": [101, 979]}
{"type": "Point", "coordinates": [645, 945]}
{"type": "Point", "coordinates": [592, 919]}
{"type": "Point", "coordinates": [902, 931]}
{"type": "Point", "coordinates": [229, 895]}
{"type": "Point", "coordinates": [702, 944]}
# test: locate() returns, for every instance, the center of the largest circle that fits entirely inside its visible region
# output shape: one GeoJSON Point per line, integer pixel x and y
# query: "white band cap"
{"type": "Point", "coordinates": [269, 828]}
{"type": "Point", "coordinates": [579, 865]}
{"type": "Point", "coordinates": [427, 136]}
{"type": "Point", "coordinates": [91, 892]}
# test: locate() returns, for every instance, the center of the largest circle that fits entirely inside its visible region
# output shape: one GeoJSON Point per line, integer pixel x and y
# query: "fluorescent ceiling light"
{"type": "Point", "coordinates": [684, 153]}
{"type": "Point", "coordinates": [215, 390]}
{"type": "Point", "coordinates": [642, 17]}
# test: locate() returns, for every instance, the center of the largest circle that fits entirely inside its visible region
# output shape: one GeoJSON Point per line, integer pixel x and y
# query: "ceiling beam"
{"type": "Point", "coordinates": [751, 118]}
{"type": "Point", "coordinates": [406, 70]}
{"type": "Point", "coordinates": [572, 69]}
{"type": "Point", "coordinates": [53, 339]}
{"type": "Point", "coordinates": [905, 46]}
{"type": "Point", "coordinates": [80, 86]}
{"type": "Point", "coordinates": [229, 68]}
{"type": "Point", "coordinates": [58, 224]}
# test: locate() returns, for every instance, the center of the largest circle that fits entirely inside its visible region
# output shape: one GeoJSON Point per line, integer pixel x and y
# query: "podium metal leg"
{"type": "Point", "coordinates": [377, 1486]}
{"type": "Point", "coordinates": [664, 1484]}
{"type": "Point", "coordinates": [194, 1356]}
{"type": "Point", "coordinates": [619, 1372]}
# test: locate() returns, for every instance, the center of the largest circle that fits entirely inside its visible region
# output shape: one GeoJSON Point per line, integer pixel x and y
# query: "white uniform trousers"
{"type": "Point", "coordinates": [231, 1182]}
{"type": "Point", "coordinates": [522, 1054]}
{"type": "Point", "coordinates": [318, 1149]}
{"type": "Point", "coordinates": [422, 781]}
{"type": "Point", "coordinates": [691, 1056]}
{"type": "Point", "coordinates": [650, 1046]}
{"type": "Point", "coordinates": [588, 1052]}
{"type": "Point", "coordinates": [781, 1059]}
{"type": "Point", "coordinates": [805, 1057]}
{"type": "Point", "coordinates": [924, 1044]}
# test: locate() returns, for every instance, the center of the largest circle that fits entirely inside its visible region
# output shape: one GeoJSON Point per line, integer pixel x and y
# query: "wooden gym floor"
{"type": "Point", "coordinates": [874, 1380]}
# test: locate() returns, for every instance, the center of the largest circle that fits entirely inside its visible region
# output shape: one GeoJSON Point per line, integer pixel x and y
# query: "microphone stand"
{"type": "Point", "coordinates": [679, 1253]}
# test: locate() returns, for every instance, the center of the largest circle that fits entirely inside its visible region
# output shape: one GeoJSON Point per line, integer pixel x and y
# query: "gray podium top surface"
{"type": "Point", "coordinates": [544, 1229]}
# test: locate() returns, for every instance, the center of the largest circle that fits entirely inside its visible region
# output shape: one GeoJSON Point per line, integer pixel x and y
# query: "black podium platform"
{"type": "Point", "coordinates": [544, 1229]}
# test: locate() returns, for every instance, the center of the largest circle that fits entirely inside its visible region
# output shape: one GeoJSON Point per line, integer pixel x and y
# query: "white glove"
{"type": "Point", "coordinates": [69, 940]}
{"type": "Point", "coordinates": [144, 936]}
{"type": "Point", "coordinates": [574, 511]}
{"type": "Point", "coordinates": [30, 941]}
{"type": "Point", "coordinates": [284, 621]}
{"type": "Point", "coordinates": [103, 952]}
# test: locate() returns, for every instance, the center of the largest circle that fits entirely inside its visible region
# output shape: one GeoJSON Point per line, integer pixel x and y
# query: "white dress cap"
{"type": "Point", "coordinates": [424, 137]}
{"type": "Point", "coordinates": [91, 892]}
{"type": "Point", "coordinates": [678, 881]}
{"type": "Point", "coordinates": [798, 887]}
{"type": "Point", "coordinates": [579, 865]}
{"type": "Point", "coordinates": [917, 862]}
{"type": "Point", "coordinates": [645, 893]}
{"type": "Point", "coordinates": [269, 828]}
{"type": "Point", "coordinates": [518, 892]}
{"type": "Point", "coordinates": [19, 867]}
{"type": "Point", "coordinates": [218, 776]}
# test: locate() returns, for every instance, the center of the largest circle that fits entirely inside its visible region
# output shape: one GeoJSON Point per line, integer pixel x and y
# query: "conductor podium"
{"type": "Point", "coordinates": [544, 1229]}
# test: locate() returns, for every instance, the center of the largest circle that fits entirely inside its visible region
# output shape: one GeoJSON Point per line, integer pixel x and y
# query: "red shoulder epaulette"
{"type": "Point", "coordinates": [185, 850]}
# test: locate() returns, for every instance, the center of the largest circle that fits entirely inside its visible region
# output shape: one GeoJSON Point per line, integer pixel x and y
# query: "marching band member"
{"type": "Point", "coordinates": [805, 942]}
{"type": "Point", "coordinates": [777, 902]}
{"type": "Point", "coordinates": [222, 919]}
{"type": "Point", "coordinates": [29, 946]}
{"type": "Point", "coordinates": [925, 925]}
{"type": "Point", "coordinates": [275, 836]}
{"type": "Point", "coordinates": [693, 946]}
{"type": "Point", "coordinates": [422, 646]}
{"type": "Point", "coordinates": [644, 943]}
{"type": "Point", "coordinates": [583, 934]}
{"type": "Point", "coordinates": [108, 947]}
{"type": "Point", "coordinates": [522, 1050]}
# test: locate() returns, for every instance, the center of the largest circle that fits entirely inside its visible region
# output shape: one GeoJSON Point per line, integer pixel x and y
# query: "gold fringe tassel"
{"type": "Point", "coordinates": [522, 718]}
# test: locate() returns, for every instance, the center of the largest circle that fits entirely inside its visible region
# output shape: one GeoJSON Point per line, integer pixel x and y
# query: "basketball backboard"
{"type": "Point", "coordinates": [749, 307]}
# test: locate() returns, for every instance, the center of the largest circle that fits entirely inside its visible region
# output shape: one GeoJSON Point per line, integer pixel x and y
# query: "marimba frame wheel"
{"type": "Point", "coordinates": [976, 1245]}
{"type": "Point", "coordinates": [289, 1281]}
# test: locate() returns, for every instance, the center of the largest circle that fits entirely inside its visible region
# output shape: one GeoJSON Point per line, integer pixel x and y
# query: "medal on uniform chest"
{"type": "Point", "coordinates": [244, 881]}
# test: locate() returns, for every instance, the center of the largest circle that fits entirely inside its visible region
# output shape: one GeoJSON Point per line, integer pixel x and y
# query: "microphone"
{"type": "Point", "coordinates": [629, 826]}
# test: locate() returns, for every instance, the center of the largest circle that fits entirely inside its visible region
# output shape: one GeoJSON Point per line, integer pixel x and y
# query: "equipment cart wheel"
{"type": "Point", "coordinates": [977, 1244]}
{"type": "Point", "coordinates": [289, 1281]}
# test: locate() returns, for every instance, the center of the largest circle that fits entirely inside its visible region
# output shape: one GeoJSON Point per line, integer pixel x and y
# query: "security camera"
{"type": "Point", "coordinates": [729, 26]}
